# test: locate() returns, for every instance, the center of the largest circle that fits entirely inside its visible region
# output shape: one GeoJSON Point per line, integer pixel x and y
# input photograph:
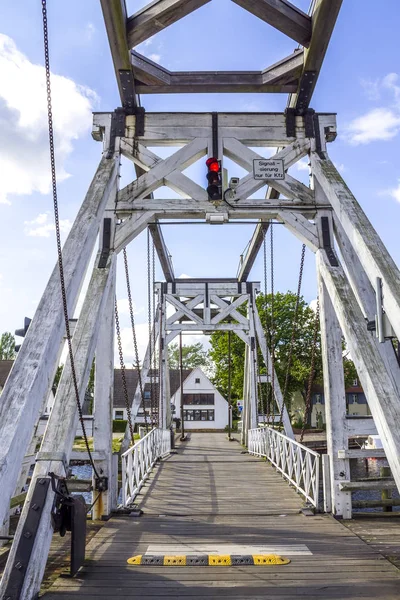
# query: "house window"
{"type": "Point", "coordinates": [199, 415]}
{"type": "Point", "coordinates": [355, 382]}
{"type": "Point", "coordinates": [147, 394]}
{"type": "Point", "coordinates": [355, 398]}
{"type": "Point", "coordinates": [119, 415]}
{"type": "Point", "coordinates": [205, 399]}
{"type": "Point", "coordinates": [318, 398]}
{"type": "Point", "coordinates": [197, 380]}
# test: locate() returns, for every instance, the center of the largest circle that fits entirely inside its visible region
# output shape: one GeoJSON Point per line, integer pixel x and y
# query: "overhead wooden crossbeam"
{"type": "Point", "coordinates": [282, 77]}
{"type": "Point", "coordinates": [157, 16]}
{"type": "Point", "coordinates": [252, 250]}
{"type": "Point", "coordinates": [162, 251]}
{"type": "Point", "coordinates": [282, 15]}
{"type": "Point", "coordinates": [324, 16]}
{"type": "Point", "coordinates": [115, 18]}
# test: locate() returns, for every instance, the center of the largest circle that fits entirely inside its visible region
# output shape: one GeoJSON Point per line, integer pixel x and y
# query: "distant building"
{"type": "Point", "coordinates": [131, 376]}
{"type": "Point", "coordinates": [203, 406]}
{"type": "Point", "coordinates": [5, 368]}
{"type": "Point", "coordinates": [356, 403]}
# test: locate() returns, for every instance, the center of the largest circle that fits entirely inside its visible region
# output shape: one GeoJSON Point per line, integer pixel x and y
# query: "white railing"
{"type": "Point", "coordinates": [138, 461]}
{"type": "Point", "coordinates": [297, 463]}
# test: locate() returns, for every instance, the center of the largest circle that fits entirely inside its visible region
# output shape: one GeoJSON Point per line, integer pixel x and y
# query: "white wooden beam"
{"type": "Point", "coordinates": [252, 251]}
{"type": "Point", "coordinates": [282, 15]}
{"type": "Point", "coordinates": [323, 17]}
{"type": "Point", "coordinates": [335, 402]}
{"type": "Point", "coordinates": [281, 77]}
{"type": "Point", "coordinates": [115, 16]}
{"type": "Point", "coordinates": [28, 384]}
{"type": "Point", "coordinates": [378, 386]}
{"type": "Point", "coordinates": [153, 179]}
{"type": "Point", "coordinates": [366, 297]}
{"type": "Point", "coordinates": [103, 404]}
{"type": "Point", "coordinates": [369, 247]}
{"type": "Point", "coordinates": [301, 227]}
{"type": "Point", "coordinates": [162, 251]}
{"type": "Point", "coordinates": [61, 429]}
{"type": "Point", "coordinates": [156, 16]}
{"type": "Point", "coordinates": [131, 227]}
{"type": "Point", "coordinates": [290, 187]}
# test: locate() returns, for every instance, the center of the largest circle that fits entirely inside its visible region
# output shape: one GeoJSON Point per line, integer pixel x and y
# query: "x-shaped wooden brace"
{"type": "Point", "coordinates": [163, 172]}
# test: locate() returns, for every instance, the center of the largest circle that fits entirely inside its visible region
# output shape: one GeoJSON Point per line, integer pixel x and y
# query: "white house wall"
{"type": "Point", "coordinates": [206, 387]}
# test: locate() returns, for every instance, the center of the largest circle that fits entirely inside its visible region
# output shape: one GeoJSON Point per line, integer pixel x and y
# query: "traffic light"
{"type": "Point", "coordinates": [214, 178]}
{"type": "Point", "coordinates": [22, 332]}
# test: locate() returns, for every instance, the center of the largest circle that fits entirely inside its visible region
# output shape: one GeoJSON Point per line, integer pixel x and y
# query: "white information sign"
{"type": "Point", "coordinates": [268, 168]}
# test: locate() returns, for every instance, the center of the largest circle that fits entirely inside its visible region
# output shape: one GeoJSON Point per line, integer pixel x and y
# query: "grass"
{"type": "Point", "coordinates": [80, 446]}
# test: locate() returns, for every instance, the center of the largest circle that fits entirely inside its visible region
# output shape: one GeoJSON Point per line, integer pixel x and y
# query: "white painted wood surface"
{"type": "Point", "coordinates": [31, 377]}
{"type": "Point", "coordinates": [60, 432]}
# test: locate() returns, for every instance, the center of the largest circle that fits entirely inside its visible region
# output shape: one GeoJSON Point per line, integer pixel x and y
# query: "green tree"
{"type": "Point", "coordinates": [192, 356]}
{"type": "Point", "coordinates": [7, 346]}
{"type": "Point", "coordinates": [299, 373]}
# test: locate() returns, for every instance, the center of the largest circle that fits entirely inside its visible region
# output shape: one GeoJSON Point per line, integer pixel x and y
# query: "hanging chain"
{"type": "Point", "coordinates": [267, 335]}
{"type": "Point", "coordinates": [312, 372]}
{"type": "Point", "coordinates": [123, 374]}
{"type": "Point", "coordinates": [153, 284]}
{"type": "Point", "coordinates": [272, 333]}
{"type": "Point", "coordinates": [135, 346]}
{"type": "Point", "coordinates": [293, 336]}
{"type": "Point", "coordinates": [58, 236]}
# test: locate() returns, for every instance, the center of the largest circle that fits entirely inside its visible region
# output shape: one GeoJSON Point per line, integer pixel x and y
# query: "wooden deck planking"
{"type": "Point", "coordinates": [210, 493]}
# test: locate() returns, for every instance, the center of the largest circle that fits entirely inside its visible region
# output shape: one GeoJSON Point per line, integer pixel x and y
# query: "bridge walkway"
{"type": "Point", "coordinates": [211, 496]}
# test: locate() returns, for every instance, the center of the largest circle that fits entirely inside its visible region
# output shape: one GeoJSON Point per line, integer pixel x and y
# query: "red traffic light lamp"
{"type": "Point", "coordinates": [214, 178]}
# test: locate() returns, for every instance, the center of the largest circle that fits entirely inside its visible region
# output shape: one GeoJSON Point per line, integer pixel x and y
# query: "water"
{"type": "Point", "coordinates": [82, 472]}
{"type": "Point", "coordinates": [361, 468]}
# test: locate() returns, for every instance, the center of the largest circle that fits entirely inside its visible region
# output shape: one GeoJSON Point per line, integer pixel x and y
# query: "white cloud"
{"type": "Point", "coordinates": [123, 307]}
{"type": "Point", "coordinates": [377, 124]}
{"type": "Point", "coordinates": [24, 152]}
{"type": "Point", "coordinates": [340, 167]}
{"type": "Point", "coordinates": [155, 57]}
{"type": "Point", "coordinates": [43, 226]}
{"type": "Point", "coordinates": [303, 164]}
{"type": "Point", "coordinates": [90, 31]}
{"type": "Point", "coordinates": [395, 192]}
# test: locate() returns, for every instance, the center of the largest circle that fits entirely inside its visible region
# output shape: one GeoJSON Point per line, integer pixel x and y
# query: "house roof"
{"type": "Point", "coordinates": [5, 368]}
{"type": "Point", "coordinates": [131, 376]}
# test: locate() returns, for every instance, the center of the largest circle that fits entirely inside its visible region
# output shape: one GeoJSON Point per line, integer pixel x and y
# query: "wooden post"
{"type": "Point", "coordinates": [30, 380]}
{"type": "Point", "coordinates": [181, 386]}
{"type": "Point", "coordinates": [378, 385]}
{"type": "Point", "coordinates": [253, 370]}
{"type": "Point", "coordinates": [370, 249]}
{"type": "Point", "coordinates": [103, 403]}
{"type": "Point", "coordinates": [335, 402]}
{"type": "Point", "coordinates": [246, 408]}
{"type": "Point", "coordinates": [60, 433]}
{"type": "Point", "coordinates": [386, 494]}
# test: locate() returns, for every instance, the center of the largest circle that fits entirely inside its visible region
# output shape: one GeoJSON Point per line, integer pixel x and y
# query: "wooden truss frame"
{"type": "Point", "coordinates": [296, 74]}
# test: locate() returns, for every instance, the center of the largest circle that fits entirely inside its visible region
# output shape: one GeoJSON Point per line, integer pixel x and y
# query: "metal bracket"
{"type": "Point", "coordinates": [326, 241]}
{"type": "Point", "coordinates": [53, 457]}
{"type": "Point", "coordinates": [117, 129]}
{"type": "Point", "coordinates": [101, 484]}
{"type": "Point", "coordinates": [139, 121]}
{"type": "Point", "coordinates": [106, 245]}
{"type": "Point", "coordinates": [304, 95]}
{"type": "Point", "coordinates": [309, 130]}
{"type": "Point", "coordinates": [27, 540]}
{"type": "Point", "coordinates": [127, 85]}
{"type": "Point", "coordinates": [290, 117]}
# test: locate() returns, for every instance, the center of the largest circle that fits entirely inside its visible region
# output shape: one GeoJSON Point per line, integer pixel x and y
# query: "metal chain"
{"type": "Point", "coordinates": [312, 372]}
{"type": "Point", "coordinates": [135, 346]}
{"type": "Point", "coordinates": [58, 236]}
{"type": "Point", "coordinates": [123, 375]}
{"type": "Point", "coordinates": [267, 336]}
{"type": "Point", "coordinates": [272, 334]}
{"type": "Point", "coordinates": [293, 336]}
{"type": "Point", "coordinates": [153, 284]}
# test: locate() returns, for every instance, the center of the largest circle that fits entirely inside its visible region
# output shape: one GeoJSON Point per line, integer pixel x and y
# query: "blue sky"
{"type": "Point", "coordinates": [360, 81]}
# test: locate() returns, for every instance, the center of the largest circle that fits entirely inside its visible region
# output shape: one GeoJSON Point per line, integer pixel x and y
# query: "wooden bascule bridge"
{"type": "Point", "coordinates": [217, 520]}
